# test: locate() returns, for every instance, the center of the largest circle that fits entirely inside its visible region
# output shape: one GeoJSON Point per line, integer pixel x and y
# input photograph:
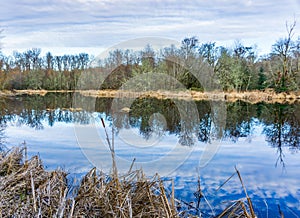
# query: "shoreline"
{"type": "Point", "coordinates": [252, 97]}
{"type": "Point", "coordinates": [28, 189]}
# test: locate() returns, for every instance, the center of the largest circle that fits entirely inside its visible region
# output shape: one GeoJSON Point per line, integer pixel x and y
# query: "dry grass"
{"type": "Point", "coordinates": [27, 190]}
{"type": "Point", "coordinates": [250, 96]}
{"type": "Point", "coordinates": [130, 196]}
{"type": "Point", "coordinates": [255, 96]}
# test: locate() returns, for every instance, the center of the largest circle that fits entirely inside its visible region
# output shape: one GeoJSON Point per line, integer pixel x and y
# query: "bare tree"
{"type": "Point", "coordinates": [283, 49]}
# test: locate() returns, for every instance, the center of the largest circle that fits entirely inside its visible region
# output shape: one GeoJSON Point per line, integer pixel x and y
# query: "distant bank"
{"type": "Point", "coordinates": [268, 96]}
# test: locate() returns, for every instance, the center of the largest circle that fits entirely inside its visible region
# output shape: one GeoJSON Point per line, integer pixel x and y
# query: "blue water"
{"type": "Point", "coordinates": [270, 172]}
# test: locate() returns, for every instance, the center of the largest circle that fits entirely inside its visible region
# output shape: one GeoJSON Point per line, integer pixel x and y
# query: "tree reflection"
{"type": "Point", "coordinates": [282, 127]}
{"type": "Point", "coordinates": [161, 117]}
{"type": "Point", "coordinates": [33, 111]}
{"type": "Point", "coordinates": [149, 115]}
{"type": "Point", "coordinates": [206, 127]}
{"type": "Point", "coordinates": [153, 115]}
{"type": "Point", "coordinates": [156, 116]}
{"type": "Point", "coordinates": [239, 122]}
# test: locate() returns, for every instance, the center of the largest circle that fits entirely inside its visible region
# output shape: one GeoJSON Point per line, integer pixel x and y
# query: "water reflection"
{"type": "Point", "coordinates": [282, 128]}
{"type": "Point", "coordinates": [240, 120]}
{"type": "Point", "coordinates": [2, 137]}
{"type": "Point", "coordinates": [281, 123]}
{"type": "Point", "coordinates": [33, 110]}
{"type": "Point", "coordinates": [271, 126]}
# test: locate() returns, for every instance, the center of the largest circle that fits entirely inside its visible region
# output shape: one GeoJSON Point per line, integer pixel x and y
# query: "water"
{"type": "Point", "coordinates": [165, 136]}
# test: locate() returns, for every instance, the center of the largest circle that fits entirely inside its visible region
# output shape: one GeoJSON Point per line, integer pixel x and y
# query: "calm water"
{"type": "Point", "coordinates": [177, 139]}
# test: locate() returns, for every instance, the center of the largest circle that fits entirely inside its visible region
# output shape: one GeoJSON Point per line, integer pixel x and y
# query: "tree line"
{"type": "Point", "coordinates": [233, 69]}
{"type": "Point", "coordinates": [29, 70]}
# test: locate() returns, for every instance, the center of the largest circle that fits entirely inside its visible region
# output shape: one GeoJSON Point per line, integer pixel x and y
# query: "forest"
{"type": "Point", "coordinates": [238, 68]}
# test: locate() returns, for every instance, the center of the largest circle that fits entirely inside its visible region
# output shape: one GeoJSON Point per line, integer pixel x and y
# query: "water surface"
{"type": "Point", "coordinates": [261, 140]}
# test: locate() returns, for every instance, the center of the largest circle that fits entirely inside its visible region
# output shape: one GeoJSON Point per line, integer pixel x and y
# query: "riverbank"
{"type": "Point", "coordinates": [268, 96]}
{"type": "Point", "coordinates": [28, 190]}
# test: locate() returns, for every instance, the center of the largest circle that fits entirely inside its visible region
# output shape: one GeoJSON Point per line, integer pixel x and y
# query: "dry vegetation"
{"type": "Point", "coordinates": [28, 190]}
{"type": "Point", "coordinates": [268, 96]}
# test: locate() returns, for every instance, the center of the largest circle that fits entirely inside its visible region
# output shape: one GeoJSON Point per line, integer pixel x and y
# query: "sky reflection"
{"type": "Point", "coordinates": [152, 134]}
{"type": "Point", "coordinates": [267, 184]}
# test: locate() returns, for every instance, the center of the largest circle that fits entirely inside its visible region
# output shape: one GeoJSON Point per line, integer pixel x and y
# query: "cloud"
{"type": "Point", "coordinates": [102, 23]}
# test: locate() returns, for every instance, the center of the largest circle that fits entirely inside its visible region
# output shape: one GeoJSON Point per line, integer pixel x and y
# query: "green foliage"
{"type": "Point", "coordinates": [34, 79]}
{"type": "Point", "coordinates": [261, 83]}
{"type": "Point", "coordinates": [224, 70]}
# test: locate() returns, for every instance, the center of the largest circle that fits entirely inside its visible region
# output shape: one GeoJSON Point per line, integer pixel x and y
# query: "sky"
{"type": "Point", "coordinates": [91, 26]}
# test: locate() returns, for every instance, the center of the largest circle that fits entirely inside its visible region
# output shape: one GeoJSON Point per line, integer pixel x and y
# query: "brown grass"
{"type": "Point", "coordinates": [268, 96]}
{"type": "Point", "coordinates": [27, 190]}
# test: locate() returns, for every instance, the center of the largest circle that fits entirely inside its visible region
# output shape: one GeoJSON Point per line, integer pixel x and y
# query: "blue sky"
{"type": "Point", "coordinates": [72, 26]}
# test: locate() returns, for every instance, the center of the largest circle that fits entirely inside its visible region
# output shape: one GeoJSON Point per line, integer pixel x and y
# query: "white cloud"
{"type": "Point", "coordinates": [103, 23]}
